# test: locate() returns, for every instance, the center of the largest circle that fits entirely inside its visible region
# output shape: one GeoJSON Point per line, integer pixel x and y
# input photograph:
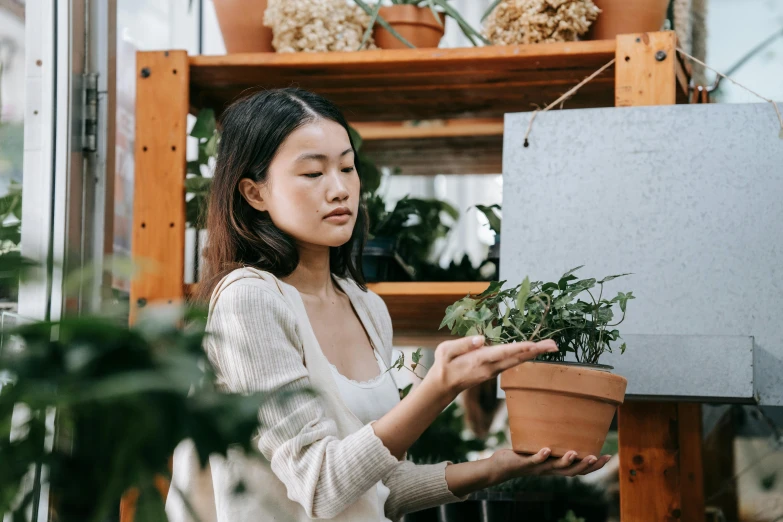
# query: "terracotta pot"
{"type": "Point", "coordinates": [627, 17]}
{"type": "Point", "coordinates": [243, 27]}
{"type": "Point", "coordinates": [560, 406]}
{"type": "Point", "coordinates": [418, 25]}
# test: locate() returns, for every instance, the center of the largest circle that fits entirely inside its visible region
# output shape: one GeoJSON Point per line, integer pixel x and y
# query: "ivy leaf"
{"type": "Point", "coordinates": [622, 348]}
{"type": "Point", "coordinates": [494, 333]}
{"type": "Point", "coordinates": [624, 298]}
{"type": "Point", "coordinates": [494, 287]}
{"type": "Point", "coordinates": [609, 278]}
{"type": "Point", "coordinates": [399, 363]}
{"type": "Point", "coordinates": [405, 391]}
{"type": "Point", "coordinates": [571, 272]}
{"type": "Point", "coordinates": [524, 292]}
{"type": "Point", "coordinates": [456, 311]}
{"type": "Point", "coordinates": [562, 284]}
{"type": "Point", "coordinates": [472, 331]}
{"type": "Point", "coordinates": [416, 356]}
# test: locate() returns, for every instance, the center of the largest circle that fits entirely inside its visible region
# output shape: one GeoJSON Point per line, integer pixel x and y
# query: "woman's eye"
{"type": "Point", "coordinates": [348, 170]}
{"type": "Point", "coordinates": [313, 175]}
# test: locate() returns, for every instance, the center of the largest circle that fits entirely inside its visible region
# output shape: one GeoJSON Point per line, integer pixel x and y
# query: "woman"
{"type": "Point", "coordinates": [289, 311]}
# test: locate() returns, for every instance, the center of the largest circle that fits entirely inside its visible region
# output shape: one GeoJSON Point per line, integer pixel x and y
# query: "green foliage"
{"type": "Point", "coordinates": [571, 517]}
{"type": "Point", "coordinates": [124, 398]}
{"type": "Point", "coordinates": [492, 213]}
{"type": "Point", "coordinates": [196, 185]}
{"type": "Point", "coordinates": [11, 210]}
{"type": "Point", "coordinates": [369, 171]}
{"type": "Point", "coordinates": [533, 311]}
{"type": "Point", "coordinates": [443, 439]}
{"type": "Point", "coordinates": [11, 149]}
{"type": "Point", "coordinates": [436, 6]}
{"type": "Point", "coordinates": [456, 271]}
{"type": "Point", "coordinates": [414, 223]}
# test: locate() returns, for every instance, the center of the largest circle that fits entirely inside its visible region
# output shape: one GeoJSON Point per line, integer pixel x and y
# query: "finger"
{"type": "Point", "coordinates": [457, 347]}
{"type": "Point", "coordinates": [600, 463]}
{"type": "Point", "coordinates": [556, 464]}
{"type": "Point", "coordinates": [511, 354]}
{"type": "Point", "coordinates": [577, 468]}
{"type": "Point", "coordinates": [538, 458]}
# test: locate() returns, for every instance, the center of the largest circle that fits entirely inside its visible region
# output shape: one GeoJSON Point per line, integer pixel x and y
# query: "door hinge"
{"type": "Point", "coordinates": [90, 113]}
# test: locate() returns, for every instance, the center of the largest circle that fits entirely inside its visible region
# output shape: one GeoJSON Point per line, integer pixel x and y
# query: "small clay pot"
{"type": "Point", "coordinates": [243, 26]}
{"type": "Point", "coordinates": [418, 25]}
{"type": "Point", "coordinates": [627, 17]}
{"type": "Point", "coordinates": [560, 406]}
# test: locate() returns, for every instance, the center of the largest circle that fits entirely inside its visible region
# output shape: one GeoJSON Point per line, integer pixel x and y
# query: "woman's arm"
{"type": "Point", "coordinates": [459, 365]}
{"type": "Point", "coordinates": [414, 487]}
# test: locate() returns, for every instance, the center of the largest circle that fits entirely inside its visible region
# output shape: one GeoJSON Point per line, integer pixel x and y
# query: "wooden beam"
{"type": "Point", "coordinates": [159, 188]}
{"type": "Point", "coordinates": [661, 471]}
{"type": "Point", "coordinates": [158, 238]}
{"type": "Point", "coordinates": [646, 70]}
{"type": "Point", "coordinates": [691, 461]}
{"type": "Point", "coordinates": [390, 130]}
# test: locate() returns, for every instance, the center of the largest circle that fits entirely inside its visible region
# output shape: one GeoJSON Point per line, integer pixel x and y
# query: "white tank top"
{"type": "Point", "coordinates": [369, 401]}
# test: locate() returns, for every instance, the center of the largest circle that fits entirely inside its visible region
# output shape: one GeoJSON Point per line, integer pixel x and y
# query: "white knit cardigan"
{"type": "Point", "coordinates": [323, 463]}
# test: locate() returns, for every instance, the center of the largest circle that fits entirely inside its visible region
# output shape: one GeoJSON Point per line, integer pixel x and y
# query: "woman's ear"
{"type": "Point", "coordinates": [251, 191]}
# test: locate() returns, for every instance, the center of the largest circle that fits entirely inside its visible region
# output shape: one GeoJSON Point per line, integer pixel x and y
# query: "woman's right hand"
{"type": "Point", "coordinates": [463, 363]}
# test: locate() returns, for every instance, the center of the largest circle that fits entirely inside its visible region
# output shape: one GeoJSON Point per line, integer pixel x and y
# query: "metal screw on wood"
{"type": "Point", "coordinates": [145, 72]}
{"type": "Point", "coordinates": [660, 56]}
{"type": "Point", "coordinates": [633, 472]}
{"type": "Point", "coordinates": [142, 302]}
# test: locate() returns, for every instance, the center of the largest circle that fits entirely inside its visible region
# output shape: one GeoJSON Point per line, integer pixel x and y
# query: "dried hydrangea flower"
{"type": "Point", "coordinates": [535, 21]}
{"type": "Point", "coordinates": [316, 25]}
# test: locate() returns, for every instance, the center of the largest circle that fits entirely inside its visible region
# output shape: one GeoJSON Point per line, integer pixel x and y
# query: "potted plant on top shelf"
{"type": "Point", "coordinates": [553, 403]}
{"type": "Point", "coordinates": [413, 23]}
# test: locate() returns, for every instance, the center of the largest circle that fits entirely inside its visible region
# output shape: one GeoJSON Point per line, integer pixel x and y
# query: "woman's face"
{"type": "Point", "coordinates": [312, 190]}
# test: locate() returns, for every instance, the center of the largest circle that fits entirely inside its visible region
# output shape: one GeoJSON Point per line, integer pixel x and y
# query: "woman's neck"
{"type": "Point", "coordinates": [313, 275]}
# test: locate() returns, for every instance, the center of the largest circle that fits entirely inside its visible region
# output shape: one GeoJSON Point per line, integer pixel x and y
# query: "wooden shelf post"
{"type": "Point", "coordinates": [158, 238]}
{"type": "Point", "coordinates": [661, 475]}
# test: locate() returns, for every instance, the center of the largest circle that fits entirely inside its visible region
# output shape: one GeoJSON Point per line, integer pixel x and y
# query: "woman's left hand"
{"type": "Point", "coordinates": [508, 464]}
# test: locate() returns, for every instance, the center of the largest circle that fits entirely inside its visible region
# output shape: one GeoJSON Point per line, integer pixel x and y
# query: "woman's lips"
{"type": "Point", "coordinates": [339, 216]}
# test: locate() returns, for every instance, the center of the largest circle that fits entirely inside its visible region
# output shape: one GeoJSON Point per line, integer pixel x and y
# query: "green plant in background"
{"type": "Point", "coordinates": [11, 208]}
{"type": "Point", "coordinates": [536, 311]}
{"type": "Point", "coordinates": [123, 397]}
{"type": "Point", "coordinates": [196, 184]}
{"type": "Point", "coordinates": [492, 213]}
{"type": "Point", "coordinates": [455, 271]}
{"type": "Point", "coordinates": [571, 517]}
{"type": "Point", "coordinates": [436, 6]}
{"type": "Point", "coordinates": [443, 439]}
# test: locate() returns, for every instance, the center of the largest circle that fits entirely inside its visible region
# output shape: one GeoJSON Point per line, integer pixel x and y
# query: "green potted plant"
{"type": "Point", "coordinates": [554, 403]}
{"type": "Point", "coordinates": [413, 23]}
{"type": "Point", "coordinates": [122, 399]}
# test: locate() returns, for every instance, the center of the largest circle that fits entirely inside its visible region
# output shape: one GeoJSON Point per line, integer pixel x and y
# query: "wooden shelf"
{"type": "Point", "coordinates": [455, 146]}
{"type": "Point", "coordinates": [417, 309]}
{"type": "Point", "coordinates": [417, 84]}
{"type": "Point", "coordinates": [477, 85]}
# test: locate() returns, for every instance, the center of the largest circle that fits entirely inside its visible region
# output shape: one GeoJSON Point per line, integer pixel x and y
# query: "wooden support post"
{"type": "Point", "coordinates": [159, 198]}
{"type": "Point", "coordinates": [158, 238]}
{"type": "Point", "coordinates": [661, 476]}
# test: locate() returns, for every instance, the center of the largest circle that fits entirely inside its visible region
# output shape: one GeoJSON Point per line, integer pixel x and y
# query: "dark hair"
{"type": "Point", "coordinates": [253, 128]}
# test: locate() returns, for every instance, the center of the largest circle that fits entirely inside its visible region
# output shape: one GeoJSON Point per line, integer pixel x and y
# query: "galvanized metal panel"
{"type": "Point", "coordinates": [689, 199]}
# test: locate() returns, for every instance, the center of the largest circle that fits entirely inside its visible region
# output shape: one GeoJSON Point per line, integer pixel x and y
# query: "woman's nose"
{"type": "Point", "coordinates": [338, 190]}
